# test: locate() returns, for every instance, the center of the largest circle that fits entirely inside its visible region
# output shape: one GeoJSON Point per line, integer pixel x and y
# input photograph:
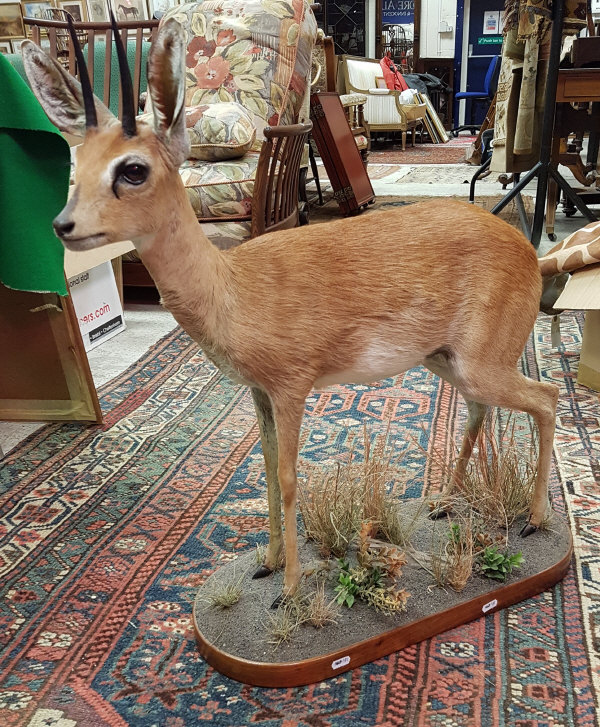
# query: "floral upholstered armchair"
{"type": "Point", "coordinates": [248, 66]}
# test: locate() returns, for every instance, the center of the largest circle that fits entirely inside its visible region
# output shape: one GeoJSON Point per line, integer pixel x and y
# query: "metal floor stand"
{"type": "Point", "coordinates": [544, 168]}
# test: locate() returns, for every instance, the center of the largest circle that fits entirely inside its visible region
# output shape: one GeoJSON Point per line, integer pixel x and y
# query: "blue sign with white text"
{"type": "Point", "coordinates": [398, 12]}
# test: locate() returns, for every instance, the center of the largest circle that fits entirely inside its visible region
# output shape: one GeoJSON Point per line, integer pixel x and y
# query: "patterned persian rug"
{"type": "Point", "coordinates": [106, 533]}
{"type": "Point", "coordinates": [453, 152]}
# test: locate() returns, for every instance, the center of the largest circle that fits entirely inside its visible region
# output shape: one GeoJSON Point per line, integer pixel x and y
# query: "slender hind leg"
{"type": "Point", "coordinates": [475, 420]}
{"type": "Point", "coordinates": [512, 390]}
{"type": "Point", "coordinates": [440, 364]}
{"type": "Point", "coordinates": [268, 438]}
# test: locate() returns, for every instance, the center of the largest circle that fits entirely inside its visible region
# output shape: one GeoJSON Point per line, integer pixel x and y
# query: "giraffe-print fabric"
{"type": "Point", "coordinates": [576, 251]}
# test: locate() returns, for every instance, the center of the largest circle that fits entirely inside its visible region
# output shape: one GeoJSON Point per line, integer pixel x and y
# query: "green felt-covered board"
{"type": "Point", "coordinates": [34, 182]}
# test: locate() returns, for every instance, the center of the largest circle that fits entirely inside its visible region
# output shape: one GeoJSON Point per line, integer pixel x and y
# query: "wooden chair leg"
{"type": "Point", "coordinates": [404, 141]}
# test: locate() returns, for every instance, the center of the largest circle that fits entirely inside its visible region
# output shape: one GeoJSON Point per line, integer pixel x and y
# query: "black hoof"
{"type": "Point", "coordinates": [528, 529]}
{"type": "Point", "coordinates": [279, 601]}
{"type": "Point", "coordinates": [262, 572]}
{"type": "Point", "coordinates": [438, 513]}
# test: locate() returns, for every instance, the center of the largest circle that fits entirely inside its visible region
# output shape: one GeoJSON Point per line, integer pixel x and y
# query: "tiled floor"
{"type": "Point", "coordinates": [147, 323]}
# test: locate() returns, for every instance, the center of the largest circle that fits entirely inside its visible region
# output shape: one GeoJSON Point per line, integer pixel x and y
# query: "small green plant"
{"type": "Point", "coordinates": [347, 587]}
{"type": "Point", "coordinates": [455, 535]}
{"type": "Point", "coordinates": [369, 585]}
{"type": "Point", "coordinates": [498, 565]}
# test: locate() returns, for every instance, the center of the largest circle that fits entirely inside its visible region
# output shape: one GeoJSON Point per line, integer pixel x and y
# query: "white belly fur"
{"type": "Point", "coordinates": [379, 361]}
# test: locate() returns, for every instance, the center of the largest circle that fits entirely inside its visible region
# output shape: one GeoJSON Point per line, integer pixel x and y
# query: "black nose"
{"type": "Point", "coordinates": [63, 226]}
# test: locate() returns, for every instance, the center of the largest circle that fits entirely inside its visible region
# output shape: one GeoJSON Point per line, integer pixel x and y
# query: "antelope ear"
{"type": "Point", "coordinates": [166, 85]}
{"type": "Point", "coordinates": [59, 92]}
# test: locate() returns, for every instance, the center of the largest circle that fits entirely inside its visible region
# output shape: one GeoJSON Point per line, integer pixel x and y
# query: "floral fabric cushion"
{"type": "Point", "coordinates": [227, 234]}
{"type": "Point", "coordinates": [219, 131]}
{"type": "Point", "coordinates": [254, 52]}
{"type": "Point", "coordinates": [221, 189]}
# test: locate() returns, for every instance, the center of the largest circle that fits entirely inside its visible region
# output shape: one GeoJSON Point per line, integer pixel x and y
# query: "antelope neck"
{"type": "Point", "coordinates": [191, 274]}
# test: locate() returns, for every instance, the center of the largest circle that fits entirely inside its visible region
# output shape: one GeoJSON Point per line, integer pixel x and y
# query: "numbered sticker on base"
{"type": "Point", "coordinates": [339, 663]}
{"type": "Point", "coordinates": [489, 605]}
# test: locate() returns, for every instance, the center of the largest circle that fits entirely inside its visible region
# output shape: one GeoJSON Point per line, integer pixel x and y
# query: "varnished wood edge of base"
{"type": "Point", "coordinates": [316, 669]}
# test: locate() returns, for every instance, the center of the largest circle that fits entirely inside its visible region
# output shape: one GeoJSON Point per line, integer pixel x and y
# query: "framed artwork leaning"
{"type": "Point", "coordinates": [36, 8]}
{"type": "Point", "coordinates": [160, 6]}
{"type": "Point", "coordinates": [5, 46]}
{"type": "Point", "coordinates": [16, 44]}
{"type": "Point", "coordinates": [130, 9]}
{"type": "Point", "coordinates": [97, 11]}
{"type": "Point", "coordinates": [77, 8]}
{"type": "Point", "coordinates": [11, 21]}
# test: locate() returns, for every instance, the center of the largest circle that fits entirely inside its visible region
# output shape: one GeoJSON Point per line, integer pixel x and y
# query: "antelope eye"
{"type": "Point", "coordinates": [134, 173]}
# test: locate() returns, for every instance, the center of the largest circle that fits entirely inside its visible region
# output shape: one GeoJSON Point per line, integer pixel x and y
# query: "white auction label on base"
{"type": "Point", "coordinates": [339, 663]}
{"type": "Point", "coordinates": [489, 605]}
{"type": "Point", "coordinates": [97, 305]}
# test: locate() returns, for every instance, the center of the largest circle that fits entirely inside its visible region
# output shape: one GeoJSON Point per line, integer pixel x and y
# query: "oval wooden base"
{"type": "Point", "coordinates": [396, 632]}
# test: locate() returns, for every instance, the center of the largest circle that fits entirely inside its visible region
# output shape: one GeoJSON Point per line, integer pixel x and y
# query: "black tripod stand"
{"type": "Point", "coordinates": [544, 168]}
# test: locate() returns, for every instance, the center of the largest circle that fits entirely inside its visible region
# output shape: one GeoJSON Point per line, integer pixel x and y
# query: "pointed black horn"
{"type": "Point", "coordinates": [128, 105]}
{"type": "Point", "coordinates": [91, 120]}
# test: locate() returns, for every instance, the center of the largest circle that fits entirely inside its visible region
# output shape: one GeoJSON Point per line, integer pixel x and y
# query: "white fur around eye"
{"type": "Point", "coordinates": [108, 176]}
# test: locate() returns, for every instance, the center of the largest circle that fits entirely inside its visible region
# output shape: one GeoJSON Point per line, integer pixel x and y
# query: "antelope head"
{"type": "Point", "coordinates": [125, 171]}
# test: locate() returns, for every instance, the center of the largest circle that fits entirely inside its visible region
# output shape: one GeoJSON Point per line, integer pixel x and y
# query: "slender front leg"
{"type": "Point", "coordinates": [268, 438]}
{"type": "Point", "coordinates": [288, 419]}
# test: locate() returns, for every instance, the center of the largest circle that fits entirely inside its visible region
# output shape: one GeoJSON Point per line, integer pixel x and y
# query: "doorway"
{"type": "Point", "coordinates": [481, 41]}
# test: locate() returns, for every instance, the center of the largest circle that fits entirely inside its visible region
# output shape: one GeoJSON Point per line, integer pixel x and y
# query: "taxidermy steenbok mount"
{"type": "Point", "coordinates": [443, 284]}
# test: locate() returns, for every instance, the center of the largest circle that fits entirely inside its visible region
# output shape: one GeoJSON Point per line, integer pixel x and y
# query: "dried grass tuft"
{"type": "Point", "coordinates": [334, 506]}
{"type": "Point", "coordinates": [331, 508]}
{"type": "Point", "coordinates": [313, 609]}
{"type": "Point", "coordinates": [460, 552]}
{"type": "Point", "coordinates": [499, 480]}
{"type": "Point", "coordinates": [225, 595]}
{"type": "Point", "coordinates": [284, 623]}
{"type": "Point", "coordinates": [318, 610]}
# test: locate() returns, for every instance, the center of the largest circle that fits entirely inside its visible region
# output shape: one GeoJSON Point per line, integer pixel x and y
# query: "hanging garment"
{"type": "Point", "coordinates": [522, 82]}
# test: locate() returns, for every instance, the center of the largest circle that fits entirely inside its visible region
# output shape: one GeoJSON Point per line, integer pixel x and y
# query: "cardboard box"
{"type": "Point", "coordinates": [583, 293]}
{"type": "Point", "coordinates": [80, 262]}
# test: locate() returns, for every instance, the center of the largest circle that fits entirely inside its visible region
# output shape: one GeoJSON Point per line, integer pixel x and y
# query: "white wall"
{"type": "Point", "coordinates": [438, 28]}
{"type": "Point", "coordinates": [370, 29]}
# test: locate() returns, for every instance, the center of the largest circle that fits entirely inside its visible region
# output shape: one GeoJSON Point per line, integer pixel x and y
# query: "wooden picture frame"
{"type": "Point", "coordinates": [36, 8]}
{"type": "Point", "coordinates": [97, 11]}
{"type": "Point", "coordinates": [77, 8]}
{"type": "Point", "coordinates": [380, 82]}
{"type": "Point", "coordinates": [130, 9]}
{"type": "Point", "coordinates": [11, 21]}
{"type": "Point", "coordinates": [6, 46]}
{"type": "Point", "coordinates": [16, 45]}
{"type": "Point", "coordinates": [160, 6]}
